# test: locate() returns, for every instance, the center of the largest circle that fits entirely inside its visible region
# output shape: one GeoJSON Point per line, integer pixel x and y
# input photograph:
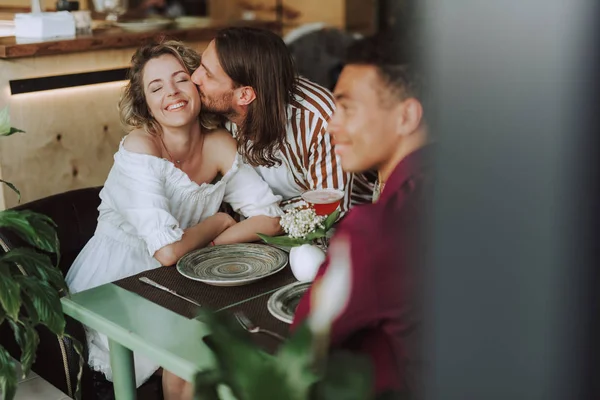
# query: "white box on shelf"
{"type": "Point", "coordinates": [44, 25]}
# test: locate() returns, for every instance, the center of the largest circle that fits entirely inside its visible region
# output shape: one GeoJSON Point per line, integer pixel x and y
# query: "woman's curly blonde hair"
{"type": "Point", "coordinates": [133, 109]}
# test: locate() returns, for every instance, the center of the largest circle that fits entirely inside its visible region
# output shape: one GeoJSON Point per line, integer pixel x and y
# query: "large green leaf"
{"type": "Point", "coordinates": [30, 310]}
{"type": "Point", "coordinates": [36, 264]}
{"type": "Point", "coordinates": [37, 229]}
{"type": "Point", "coordinates": [2, 316]}
{"type": "Point", "coordinates": [282, 240]}
{"type": "Point", "coordinates": [317, 234]}
{"type": "Point", "coordinates": [206, 384]}
{"type": "Point", "coordinates": [10, 293]}
{"type": "Point", "coordinates": [46, 229]}
{"type": "Point", "coordinates": [28, 340]}
{"type": "Point", "coordinates": [46, 301]}
{"type": "Point", "coordinates": [12, 131]}
{"type": "Point", "coordinates": [348, 377]}
{"type": "Point", "coordinates": [331, 219]}
{"type": "Point", "coordinates": [8, 375]}
{"type": "Point", "coordinates": [250, 374]}
{"type": "Point", "coordinates": [242, 366]}
{"type": "Point", "coordinates": [296, 362]}
{"type": "Point", "coordinates": [13, 187]}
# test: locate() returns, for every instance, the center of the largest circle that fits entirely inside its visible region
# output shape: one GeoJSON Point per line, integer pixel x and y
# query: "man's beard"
{"type": "Point", "coordinates": [221, 107]}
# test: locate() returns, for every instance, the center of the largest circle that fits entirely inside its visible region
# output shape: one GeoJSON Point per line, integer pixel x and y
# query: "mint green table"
{"type": "Point", "coordinates": [133, 323]}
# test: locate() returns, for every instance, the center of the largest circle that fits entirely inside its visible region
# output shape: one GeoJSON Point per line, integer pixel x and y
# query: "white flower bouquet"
{"type": "Point", "coordinates": [307, 237]}
{"type": "Point", "coordinates": [302, 226]}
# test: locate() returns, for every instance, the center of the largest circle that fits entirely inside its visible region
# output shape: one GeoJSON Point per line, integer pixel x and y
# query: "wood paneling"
{"type": "Point", "coordinates": [330, 12]}
{"type": "Point", "coordinates": [357, 15]}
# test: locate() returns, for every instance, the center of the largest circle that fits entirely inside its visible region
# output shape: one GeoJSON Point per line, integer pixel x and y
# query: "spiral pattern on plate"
{"type": "Point", "coordinates": [233, 264]}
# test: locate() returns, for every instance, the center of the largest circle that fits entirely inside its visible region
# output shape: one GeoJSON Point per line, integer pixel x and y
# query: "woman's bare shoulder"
{"type": "Point", "coordinates": [140, 141]}
{"type": "Point", "coordinates": [220, 141]}
{"type": "Point", "coordinates": [221, 147]}
{"type": "Point", "coordinates": [221, 137]}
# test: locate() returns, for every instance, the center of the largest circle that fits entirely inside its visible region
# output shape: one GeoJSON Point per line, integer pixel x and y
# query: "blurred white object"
{"type": "Point", "coordinates": [248, 15]}
{"type": "Point", "coordinates": [305, 261]}
{"type": "Point", "coordinates": [112, 8]}
{"type": "Point", "coordinates": [83, 22]}
{"type": "Point", "coordinates": [332, 291]}
{"type": "Point", "coordinates": [36, 7]}
{"type": "Point", "coordinates": [44, 25]}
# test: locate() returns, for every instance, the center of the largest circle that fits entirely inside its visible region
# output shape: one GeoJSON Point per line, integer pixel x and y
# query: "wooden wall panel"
{"type": "Point", "coordinates": [70, 137]}
{"type": "Point", "coordinates": [331, 12]}
{"type": "Point", "coordinates": [361, 16]}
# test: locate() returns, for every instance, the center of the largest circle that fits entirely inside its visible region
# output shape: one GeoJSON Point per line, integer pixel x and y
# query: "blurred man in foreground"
{"type": "Point", "coordinates": [379, 124]}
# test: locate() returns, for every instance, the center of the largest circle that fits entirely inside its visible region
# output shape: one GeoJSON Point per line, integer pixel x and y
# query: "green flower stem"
{"type": "Point", "coordinates": [320, 351]}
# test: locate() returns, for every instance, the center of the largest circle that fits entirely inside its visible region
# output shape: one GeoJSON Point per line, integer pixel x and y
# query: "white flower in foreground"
{"type": "Point", "coordinates": [332, 292]}
{"type": "Point", "coordinates": [298, 223]}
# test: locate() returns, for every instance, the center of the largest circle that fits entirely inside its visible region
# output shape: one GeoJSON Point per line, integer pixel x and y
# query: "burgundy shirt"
{"type": "Point", "coordinates": [387, 250]}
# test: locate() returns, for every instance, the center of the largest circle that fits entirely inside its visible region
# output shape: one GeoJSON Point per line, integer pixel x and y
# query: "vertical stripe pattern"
{"type": "Point", "coordinates": [308, 149]}
{"type": "Point", "coordinates": [318, 166]}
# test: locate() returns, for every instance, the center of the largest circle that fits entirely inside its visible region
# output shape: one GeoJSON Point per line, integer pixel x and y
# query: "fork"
{"type": "Point", "coordinates": [252, 328]}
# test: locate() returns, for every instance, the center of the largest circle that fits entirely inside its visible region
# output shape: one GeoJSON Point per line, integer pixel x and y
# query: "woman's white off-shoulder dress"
{"type": "Point", "coordinates": [146, 204]}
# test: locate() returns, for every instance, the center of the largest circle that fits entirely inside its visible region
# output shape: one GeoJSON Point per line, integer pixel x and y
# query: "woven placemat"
{"type": "Point", "coordinates": [256, 310]}
{"type": "Point", "coordinates": [210, 297]}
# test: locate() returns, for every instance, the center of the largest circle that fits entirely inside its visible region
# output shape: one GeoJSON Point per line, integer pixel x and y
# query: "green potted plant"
{"type": "Point", "coordinates": [30, 285]}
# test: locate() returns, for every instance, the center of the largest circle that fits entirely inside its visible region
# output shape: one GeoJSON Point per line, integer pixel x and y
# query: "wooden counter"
{"type": "Point", "coordinates": [114, 38]}
{"type": "Point", "coordinates": [71, 133]}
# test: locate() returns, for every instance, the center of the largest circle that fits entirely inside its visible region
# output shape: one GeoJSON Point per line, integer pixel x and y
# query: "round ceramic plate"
{"type": "Point", "coordinates": [145, 25]}
{"type": "Point", "coordinates": [232, 264]}
{"type": "Point", "coordinates": [282, 304]}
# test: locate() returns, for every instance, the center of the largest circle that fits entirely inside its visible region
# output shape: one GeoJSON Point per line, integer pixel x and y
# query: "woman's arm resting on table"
{"type": "Point", "coordinates": [248, 194]}
{"type": "Point", "coordinates": [195, 237]}
{"type": "Point", "coordinates": [246, 230]}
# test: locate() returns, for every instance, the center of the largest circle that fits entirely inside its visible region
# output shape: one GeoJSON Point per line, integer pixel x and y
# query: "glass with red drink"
{"type": "Point", "coordinates": [324, 201]}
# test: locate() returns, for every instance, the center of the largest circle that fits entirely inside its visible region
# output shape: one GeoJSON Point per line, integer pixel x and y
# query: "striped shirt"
{"type": "Point", "coordinates": [308, 159]}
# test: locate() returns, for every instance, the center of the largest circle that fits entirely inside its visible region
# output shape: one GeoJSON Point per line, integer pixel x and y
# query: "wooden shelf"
{"type": "Point", "coordinates": [114, 38]}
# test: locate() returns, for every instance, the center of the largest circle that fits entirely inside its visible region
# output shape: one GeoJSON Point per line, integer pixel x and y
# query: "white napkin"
{"type": "Point", "coordinates": [44, 25]}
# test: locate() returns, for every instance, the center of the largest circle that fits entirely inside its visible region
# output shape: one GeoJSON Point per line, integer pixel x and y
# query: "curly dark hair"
{"type": "Point", "coordinates": [395, 62]}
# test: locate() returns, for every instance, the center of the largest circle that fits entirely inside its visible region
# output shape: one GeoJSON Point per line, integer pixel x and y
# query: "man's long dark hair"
{"type": "Point", "coordinates": [260, 59]}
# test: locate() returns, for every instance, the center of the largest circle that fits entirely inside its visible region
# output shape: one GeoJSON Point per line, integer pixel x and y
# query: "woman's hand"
{"type": "Point", "coordinates": [246, 231]}
{"type": "Point", "coordinates": [226, 219]}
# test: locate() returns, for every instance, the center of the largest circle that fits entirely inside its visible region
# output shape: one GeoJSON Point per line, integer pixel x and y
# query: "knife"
{"type": "Point", "coordinates": [150, 282]}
